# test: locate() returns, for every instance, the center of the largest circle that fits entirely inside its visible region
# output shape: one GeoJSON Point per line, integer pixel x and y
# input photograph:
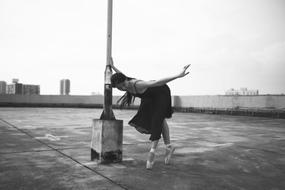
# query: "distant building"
{"type": "Point", "coordinates": [15, 88]}
{"type": "Point", "coordinates": [242, 92]}
{"type": "Point", "coordinates": [3, 85]}
{"type": "Point", "coordinates": [64, 87]}
{"type": "Point", "coordinates": [23, 89]}
{"type": "Point", "coordinates": [31, 89]}
{"type": "Point", "coordinates": [15, 80]}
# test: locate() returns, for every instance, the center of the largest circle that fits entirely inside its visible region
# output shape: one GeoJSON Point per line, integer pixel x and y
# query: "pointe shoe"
{"type": "Point", "coordinates": [149, 165]}
{"type": "Point", "coordinates": [168, 153]}
{"type": "Point", "coordinates": [150, 160]}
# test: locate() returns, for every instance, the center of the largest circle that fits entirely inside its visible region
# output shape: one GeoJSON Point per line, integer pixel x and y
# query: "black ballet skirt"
{"type": "Point", "coordinates": [155, 106]}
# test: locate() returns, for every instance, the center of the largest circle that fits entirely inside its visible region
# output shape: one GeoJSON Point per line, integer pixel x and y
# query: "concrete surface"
{"type": "Point", "coordinates": [49, 148]}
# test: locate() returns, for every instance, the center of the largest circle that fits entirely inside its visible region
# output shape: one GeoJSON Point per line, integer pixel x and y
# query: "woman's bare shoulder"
{"type": "Point", "coordinates": [136, 81]}
{"type": "Point", "coordinates": [139, 85]}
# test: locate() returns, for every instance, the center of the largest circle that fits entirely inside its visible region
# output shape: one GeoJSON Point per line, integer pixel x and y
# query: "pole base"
{"type": "Point", "coordinates": [106, 142]}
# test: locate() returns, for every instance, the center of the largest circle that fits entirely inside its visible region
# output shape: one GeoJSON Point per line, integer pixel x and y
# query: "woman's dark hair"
{"type": "Point", "coordinates": [127, 99]}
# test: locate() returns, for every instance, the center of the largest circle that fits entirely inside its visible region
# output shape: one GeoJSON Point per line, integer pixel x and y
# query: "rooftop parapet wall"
{"type": "Point", "coordinates": [56, 100]}
{"type": "Point", "coordinates": [219, 102]}
{"type": "Point", "coordinates": [262, 105]}
{"type": "Point", "coordinates": [230, 102]}
{"type": "Point", "coordinates": [51, 99]}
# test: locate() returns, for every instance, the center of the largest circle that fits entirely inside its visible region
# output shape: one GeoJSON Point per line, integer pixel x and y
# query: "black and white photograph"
{"type": "Point", "coordinates": [142, 95]}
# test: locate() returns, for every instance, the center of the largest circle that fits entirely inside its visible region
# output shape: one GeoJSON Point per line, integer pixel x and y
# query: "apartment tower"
{"type": "Point", "coordinates": [64, 87]}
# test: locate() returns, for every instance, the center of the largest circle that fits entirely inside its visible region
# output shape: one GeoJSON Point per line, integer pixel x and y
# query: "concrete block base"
{"type": "Point", "coordinates": [106, 142]}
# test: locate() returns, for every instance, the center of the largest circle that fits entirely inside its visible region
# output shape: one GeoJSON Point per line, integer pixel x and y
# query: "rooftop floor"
{"type": "Point", "coordinates": [49, 148]}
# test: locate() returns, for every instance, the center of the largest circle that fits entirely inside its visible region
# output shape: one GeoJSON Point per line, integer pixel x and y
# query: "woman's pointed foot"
{"type": "Point", "coordinates": [149, 165]}
{"type": "Point", "coordinates": [150, 160]}
{"type": "Point", "coordinates": [168, 153]}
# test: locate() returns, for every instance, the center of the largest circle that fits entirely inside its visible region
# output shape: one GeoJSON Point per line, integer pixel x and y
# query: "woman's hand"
{"type": "Point", "coordinates": [183, 73]}
{"type": "Point", "coordinates": [142, 85]}
{"type": "Point", "coordinates": [113, 66]}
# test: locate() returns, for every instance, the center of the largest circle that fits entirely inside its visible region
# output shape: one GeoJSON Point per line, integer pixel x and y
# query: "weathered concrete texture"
{"type": "Point", "coordinates": [47, 170]}
{"type": "Point", "coordinates": [107, 140]}
{"type": "Point", "coordinates": [213, 152]}
{"type": "Point", "coordinates": [28, 167]}
{"type": "Point", "coordinates": [14, 141]}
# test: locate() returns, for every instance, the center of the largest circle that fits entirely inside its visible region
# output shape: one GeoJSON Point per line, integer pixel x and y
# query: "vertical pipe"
{"type": "Point", "coordinates": [107, 109]}
{"type": "Point", "coordinates": [109, 31]}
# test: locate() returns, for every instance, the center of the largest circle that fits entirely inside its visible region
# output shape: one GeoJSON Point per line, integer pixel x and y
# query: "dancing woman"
{"type": "Point", "coordinates": [155, 107]}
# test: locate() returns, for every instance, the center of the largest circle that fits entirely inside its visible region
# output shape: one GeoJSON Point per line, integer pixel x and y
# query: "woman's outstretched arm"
{"type": "Point", "coordinates": [143, 85]}
{"type": "Point", "coordinates": [113, 66]}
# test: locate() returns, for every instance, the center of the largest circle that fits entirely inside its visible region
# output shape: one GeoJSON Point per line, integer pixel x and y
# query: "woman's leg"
{"type": "Point", "coordinates": [165, 133]}
{"type": "Point", "coordinates": [156, 131]}
{"type": "Point", "coordinates": [154, 144]}
{"type": "Point", "coordinates": [166, 138]}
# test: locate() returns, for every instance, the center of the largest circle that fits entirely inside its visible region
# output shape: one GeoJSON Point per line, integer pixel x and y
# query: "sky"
{"type": "Point", "coordinates": [229, 43]}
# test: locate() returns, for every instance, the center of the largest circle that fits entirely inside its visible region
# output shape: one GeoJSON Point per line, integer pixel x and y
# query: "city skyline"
{"type": "Point", "coordinates": [229, 43]}
{"type": "Point", "coordinates": [19, 88]}
{"type": "Point", "coordinates": [64, 89]}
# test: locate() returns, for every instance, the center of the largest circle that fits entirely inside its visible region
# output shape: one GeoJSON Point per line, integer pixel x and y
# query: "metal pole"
{"type": "Point", "coordinates": [107, 109]}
